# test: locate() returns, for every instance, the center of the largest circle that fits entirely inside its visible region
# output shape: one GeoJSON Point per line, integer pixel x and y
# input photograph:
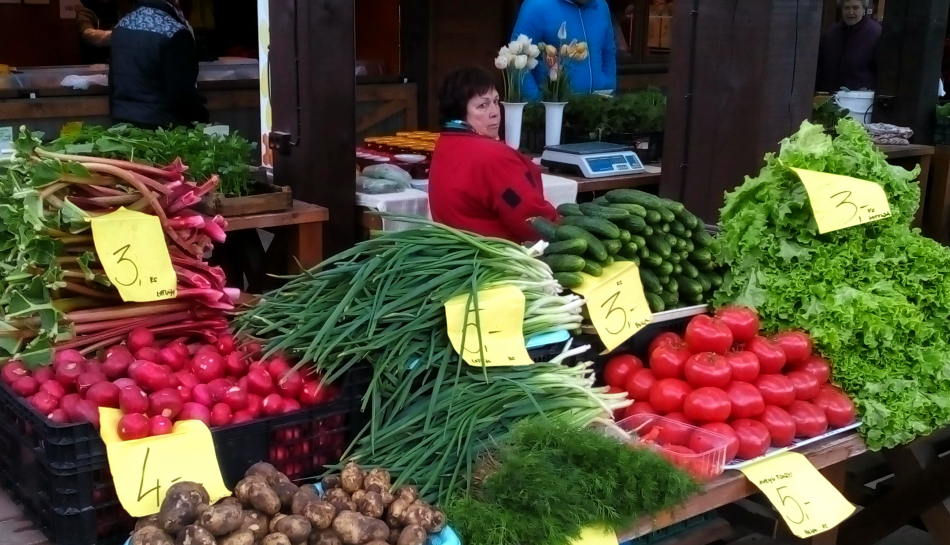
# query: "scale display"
{"type": "Point", "coordinates": [592, 159]}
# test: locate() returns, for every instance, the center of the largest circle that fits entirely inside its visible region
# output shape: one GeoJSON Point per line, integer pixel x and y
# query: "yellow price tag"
{"type": "Point", "coordinates": [839, 201]}
{"type": "Point", "coordinates": [497, 320]}
{"type": "Point", "coordinates": [596, 535]}
{"type": "Point", "coordinates": [144, 469]}
{"type": "Point", "coordinates": [132, 248]}
{"type": "Point", "coordinates": [71, 128]}
{"type": "Point", "coordinates": [616, 303]}
{"type": "Point", "coordinates": [806, 500]}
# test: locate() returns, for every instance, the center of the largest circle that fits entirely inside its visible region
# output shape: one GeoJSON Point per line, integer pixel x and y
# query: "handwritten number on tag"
{"type": "Point", "coordinates": [157, 489]}
{"type": "Point", "coordinates": [124, 250]}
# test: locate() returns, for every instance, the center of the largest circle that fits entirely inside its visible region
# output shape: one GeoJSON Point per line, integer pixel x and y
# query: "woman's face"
{"type": "Point", "coordinates": [484, 114]}
{"type": "Point", "coordinates": [852, 12]}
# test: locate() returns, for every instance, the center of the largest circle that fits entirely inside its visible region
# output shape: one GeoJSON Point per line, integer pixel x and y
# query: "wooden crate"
{"type": "Point", "coordinates": [265, 198]}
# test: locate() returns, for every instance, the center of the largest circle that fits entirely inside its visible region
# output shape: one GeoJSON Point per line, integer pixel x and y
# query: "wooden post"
{"type": "Point", "coordinates": [742, 78]}
{"type": "Point", "coordinates": [416, 36]}
{"type": "Point", "coordinates": [909, 56]}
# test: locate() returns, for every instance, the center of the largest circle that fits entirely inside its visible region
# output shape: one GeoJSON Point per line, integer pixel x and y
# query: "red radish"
{"type": "Point", "coordinates": [277, 367]}
{"type": "Point", "coordinates": [87, 379]}
{"type": "Point", "coordinates": [236, 398]}
{"type": "Point", "coordinates": [166, 402]}
{"type": "Point", "coordinates": [54, 389]}
{"type": "Point", "coordinates": [220, 415]}
{"type": "Point", "coordinates": [185, 392]}
{"type": "Point", "coordinates": [242, 383]}
{"type": "Point", "coordinates": [219, 387]}
{"type": "Point", "coordinates": [149, 353]}
{"type": "Point", "coordinates": [258, 365]}
{"type": "Point", "coordinates": [67, 373]}
{"type": "Point", "coordinates": [207, 349]}
{"type": "Point", "coordinates": [290, 385]}
{"type": "Point", "coordinates": [289, 405]}
{"type": "Point", "coordinates": [13, 371]}
{"type": "Point", "coordinates": [208, 366]}
{"type": "Point", "coordinates": [236, 365]}
{"type": "Point", "coordinates": [312, 394]}
{"type": "Point", "coordinates": [195, 411]}
{"type": "Point", "coordinates": [63, 357]}
{"type": "Point", "coordinates": [187, 379]}
{"type": "Point", "coordinates": [133, 400]}
{"type": "Point", "coordinates": [179, 346]}
{"type": "Point", "coordinates": [116, 366]}
{"type": "Point", "coordinates": [119, 350]}
{"type": "Point", "coordinates": [140, 338]}
{"type": "Point", "coordinates": [260, 382]}
{"type": "Point", "coordinates": [133, 367]}
{"type": "Point", "coordinates": [59, 416]}
{"type": "Point", "coordinates": [173, 380]}
{"type": "Point", "coordinates": [202, 394]}
{"type": "Point", "coordinates": [225, 344]}
{"type": "Point", "coordinates": [150, 376]}
{"type": "Point", "coordinates": [68, 404]}
{"type": "Point", "coordinates": [159, 425]}
{"type": "Point", "coordinates": [86, 411]}
{"type": "Point", "coordinates": [272, 404]}
{"type": "Point", "coordinates": [26, 386]}
{"type": "Point", "coordinates": [104, 394]}
{"type": "Point", "coordinates": [44, 402]}
{"type": "Point", "coordinates": [254, 404]}
{"type": "Point", "coordinates": [253, 349]}
{"type": "Point", "coordinates": [125, 382]}
{"type": "Point", "coordinates": [133, 426]}
{"type": "Point", "coordinates": [241, 417]}
{"type": "Point", "coordinates": [170, 357]}
{"type": "Point", "coordinates": [44, 375]}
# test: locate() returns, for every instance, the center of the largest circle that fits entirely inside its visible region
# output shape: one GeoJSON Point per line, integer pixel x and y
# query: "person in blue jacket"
{"type": "Point", "coordinates": [587, 21]}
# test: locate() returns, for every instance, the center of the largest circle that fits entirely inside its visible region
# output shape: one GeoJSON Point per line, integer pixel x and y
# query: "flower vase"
{"type": "Point", "coordinates": [514, 111]}
{"type": "Point", "coordinates": [553, 122]}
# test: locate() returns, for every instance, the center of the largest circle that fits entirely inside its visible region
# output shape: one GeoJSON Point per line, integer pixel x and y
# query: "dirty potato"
{"type": "Point", "coordinates": [394, 536]}
{"type": "Point", "coordinates": [263, 498]}
{"type": "Point", "coordinates": [221, 520]}
{"type": "Point", "coordinates": [320, 514]}
{"type": "Point", "coordinates": [179, 508]}
{"type": "Point", "coordinates": [409, 492]}
{"type": "Point", "coordinates": [379, 477]}
{"type": "Point", "coordinates": [151, 520]}
{"type": "Point", "coordinates": [195, 535]}
{"type": "Point", "coordinates": [396, 511]}
{"type": "Point", "coordinates": [285, 492]}
{"type": "Point", "coordinates": [302, 497]}
{"type": "Point", "coordinates": [412, 535]}
{"type": "Point", "coordinates": [371, 505]}
{"type": "Point", "coordinates": [256, 522]}
{"type": "Point", "coordinates": [191, 492]}
{"type": "Point", "coordinates": [230, 500]}
{"type": "Point", "coordinates": [324, 537]}
{"type": "Point", "coordinates": [337, 494]}
{"type": "Point", "coordinates": [273, 522]}
{"type": "Point", "coordinates": [355, 528]}
{"type": "Point", "coordinates": [265, 470]}
{"type": "Point", "coordinates": [243, 489]}
{"type": "Point", "coordinates": [331, 481]}
{"type": "Point", "coordinates": [377, 542]}
{"type": "Point", "coordinates": [150, 535]}
{"type": "Point", "coordinates": [358, 495]}
{"type": "Point", "coordinates": [387, 497]}
{"type": "Point", "coordinates": [275, 539]}
{"type": "Point", "coordinates": [240, 537]}
{"type": "Point", "coordinates": [295, 527]}
{"type": "Point", "coordinates": [352, 477]}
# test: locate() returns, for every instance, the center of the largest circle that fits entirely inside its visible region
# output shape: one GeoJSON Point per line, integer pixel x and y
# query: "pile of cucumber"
{"type": "Point", "coordinates": [668, 243]}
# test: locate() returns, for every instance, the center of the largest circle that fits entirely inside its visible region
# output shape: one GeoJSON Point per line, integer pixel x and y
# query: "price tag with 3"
{"type": "Point", "coordinates": [616, 303]}
{"type": "Point", "coordinates": [840, 201]}
{"type": "Point", "coordinates": [489, 332]}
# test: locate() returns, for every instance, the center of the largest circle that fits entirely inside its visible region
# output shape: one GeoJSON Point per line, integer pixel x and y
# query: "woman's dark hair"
{"type": "Point", "coordinates": [458, 88]}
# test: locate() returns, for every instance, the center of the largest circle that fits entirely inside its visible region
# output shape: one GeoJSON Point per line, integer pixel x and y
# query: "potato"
{"type": "Point", "coordinates": [337, 494]}
{"type": "Point", "coordinates": [242, 490]}
{"type": "Point", "coordinates": [275, 539]}
{"type": "Point", "coordinates": [371, 505]}
{"type": "Point", "coordinates": [273, 523]}
{"type": "Point", "coordinates": [264, 499]}
{"type": "Point", "coordinates": [412, 535]}
{"type": "Point", "coordinates": [373, 488]}
{"type": "Point", "coordinates": [221, 520]}
{"type": "Point", "coordinates": [179, 508]}
{"type": "Point", "coordinates": [230, 500]}
{"type": "Point", "coordinates": [302, 498]}
{"type": "Point", "coordinates": [351, 506]}
{"type": "Point", "coordinates": [341, 506]}
{"type": "Point", "coordinates": [355, 529]}
{"type": "Point", "coordinates": [438, 522]}
{"type": "Point", "coordinates": [357, 496]}
{"type": "Point", "coordinates": [150, 535]}
{"type": "Point", "coordinates": [408, 491]}
{"type": "Point", "coordinates": [195, 535]}
{"type": "Point", "coordinates": [285, 491]}
{"type": "Point", "coordinates": [352, 477]}
{"type": "Point", "coordinates": [240, 537]}
{"type": "Point", "coordinates": [324, 537]}
{"type": "Point", "coordinates": [320, 514]}
{"type": "Point", "coordinates": [191, 492]}
{"type": "Point", "coordinates": [387, 497]}
{"type": "Point", "coordinates": [263, 469]}
{"type": "Point", "coordinates": [395, 512]}
{"type": "Point", "coordinates": [295, 527]}
{"type": "Point", "coordinates": [377, 542]}
{"type": "Point", "coordinates": [394, 536]}
{"type": "Point", "coordinates": [419, 514]}
{"type": "Point", "coordinates": [379, 477]}
{"type": "Point", "coordinates": [151, 520]}
{"type": "Point", "coordinates": [256, 522]}
{"type": "Point", "coordinates": [174, 519]}
{"type": "Point", "coordinates": [331, 481]}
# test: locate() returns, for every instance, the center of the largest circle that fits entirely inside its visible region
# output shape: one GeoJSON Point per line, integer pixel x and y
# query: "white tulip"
{"type": "Point", "coordinates": [515, 48]}
{"type": "Point", "coordinates": [525, 42]}
{"type": "Point", "coordinates": [504, 52]}
{"type": "Point", "coordinates": [532, 63]}
{"type": "Point", "coordinates": [553, 74]}
{"type": "Point", "coordinates": [501, 62]}
{"type": "Point", "coordinates": [520, 62]}
{"type": "Point", "coordinates": [562, 32]}
{"type": "Point", "coordinates": [533, 51]}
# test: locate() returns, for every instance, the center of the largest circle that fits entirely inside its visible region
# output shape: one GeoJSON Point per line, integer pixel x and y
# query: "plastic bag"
{"type": "Point", "coordinates": [388, 172]}
{"type": "Point", "coordinates": [378, 186]}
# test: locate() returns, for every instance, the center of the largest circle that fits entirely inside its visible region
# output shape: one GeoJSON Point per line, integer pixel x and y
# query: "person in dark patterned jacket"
{"type": "Point", "coordinates": [154, 71]}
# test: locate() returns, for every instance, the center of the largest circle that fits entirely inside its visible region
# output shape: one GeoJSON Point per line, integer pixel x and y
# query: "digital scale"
{"type": "Point", "coordinates": [591, 159]}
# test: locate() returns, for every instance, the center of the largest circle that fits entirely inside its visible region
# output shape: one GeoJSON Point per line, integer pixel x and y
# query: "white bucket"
{"type": "Point", "coordinates": [860, 104]}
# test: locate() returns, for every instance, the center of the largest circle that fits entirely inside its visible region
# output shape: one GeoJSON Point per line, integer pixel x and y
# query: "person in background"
{"type": "Point", "coordinates": [587, 21]}
{"type": "Point", "coordinates": [154, 73]}
{"type": "Point", "coordinates": [95, 20]}
{"type": "Point", "coordinates": [476, 182]}
{"type": "Point", "coordinates": [847, 53]}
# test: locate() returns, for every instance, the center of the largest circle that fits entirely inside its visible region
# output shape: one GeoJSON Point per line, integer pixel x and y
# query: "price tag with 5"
{"type": "Point", "coordinates": [616, 303]}
{"type": "Point", "coordinates": [806, 500]}
{"type": "Point", "coordinates": [132, 248]}
{"type": "Point", "coordinates": [490, 332]}
{"type": "Point", "coordinates": [840, 201]}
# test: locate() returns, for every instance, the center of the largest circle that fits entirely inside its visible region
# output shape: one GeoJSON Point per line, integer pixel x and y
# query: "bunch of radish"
{"type": "Point", "coordinates": [724, 376]}
{"type": "Point", "coordinates": [158, 383]}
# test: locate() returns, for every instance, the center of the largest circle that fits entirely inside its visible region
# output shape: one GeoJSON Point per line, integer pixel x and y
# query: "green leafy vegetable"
{"type": "Point", "coordinates": [597, 116]}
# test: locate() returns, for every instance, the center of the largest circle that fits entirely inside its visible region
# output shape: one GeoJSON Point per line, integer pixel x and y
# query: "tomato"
{"type": "Point", "coordinates": [810, 421]}
{"type": "Point", "coordinates": [639, 384]}
{"type": "Point", "coordinates": [776, 390]}
{"type": "Point", "coordinates": [754, 438]}
{"type": "Point", "coordinates": [668, 361]}
{"type": "Point", "coordinates": [667, 338]}
{"type": "Point", "coordinates": [668, 395]}
{"type": "Point", "coordinates": [806, 385]}
{"type": "Point", "coordinates": [679, 455]}
{"type": "Point", "coordinates": [780, 424]}
{"type": "Point", "coordinates": [745, 365]}
{"type": "Point", "coordinates": [796, 345]}
{"type": "Point", "coordinates": [743, 322]}
{"type": "Point", "coordinates": [640, 407]}
{"type": "Point", "coordinates": [674, 429]}
{"type": "Point", "coordinates": [619, 369]}
{"type": "Point", "coordinates": [707, 405]}
{"type": "Point", "coordinates": [838, 408]}
{"type": "Point", "coordinates": [727, 432]}
{"type": "Point", "coordinates": [817, 366]}
{"type": "Point", "coordinates": [770, 354]}
{"type": "Point", "coordinates": [746, 400]}
{"type": "Point", "coordinates": [707, 369]}
{"type": "Point", "coordinates": [708, 334]}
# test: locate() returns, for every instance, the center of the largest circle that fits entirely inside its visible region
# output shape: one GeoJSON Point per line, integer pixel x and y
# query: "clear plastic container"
{"type": "Point", "coordinates": [700, 452]}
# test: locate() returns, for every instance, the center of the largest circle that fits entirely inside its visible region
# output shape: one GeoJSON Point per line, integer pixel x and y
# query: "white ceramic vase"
{"type": "Point", "coordinates": [553, 122]}
{"type": "Point", "coordinates": [514, 112]}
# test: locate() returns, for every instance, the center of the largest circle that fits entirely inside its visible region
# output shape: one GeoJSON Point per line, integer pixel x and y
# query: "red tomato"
{"type": "Point", "coordinates": [743, 322]}
{"type": "Point", "coordinates": [810, 421]}
{"type": "Point", "coordinates": [707, 405]}
{"type": "Point", "coordinates": [619, 369]}
{"type": "Point", "coordinates": [640, 407]}
{"type": "Point", "coordinates": [838, 408]}
{"type": "Point", "coordinates": [679, 455]}
{"type": "Point", "coordinates": [668, 395]}
{"type": "Point", "coordinates": [770, 354]}
{"type": "Point", "coordinates": [708, 334]}
{"type": "Point", "coordinates": [745, 365]}
{"type": "Point", "coordinates": [780, 424]}
{"type": "Point", "coordinates": [640, 383]}
{"type": "Point", "coordinates": [754, 438]}
{"type": "Point", "coordinates": [674, 429]}
{"type": "Point", "coordinates": [746, 400]}
{"type": "Point", "coordinates": [796, 345]}
{"type": "Point", "coordinates": [707, 369]}
{"type": "Point", "coordinates": [726, 431]}
{"type": "Point", "coordinates": [817, 366]}
{"type": "Point", "coordinates": [806, 385]}
{"type": "Point", "coordinates": [667, 338]}
{"type": "Point", "coordinates": [776, 390]}
{"type": "Point", "coordinates": [667, 361]}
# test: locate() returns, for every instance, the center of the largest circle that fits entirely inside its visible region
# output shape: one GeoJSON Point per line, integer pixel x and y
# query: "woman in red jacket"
{"type": "Point", "coordinates": [476, 182]}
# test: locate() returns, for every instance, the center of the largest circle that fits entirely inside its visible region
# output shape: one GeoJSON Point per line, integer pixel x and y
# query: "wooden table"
{"type": "Point", "coordinates": [625, 181]}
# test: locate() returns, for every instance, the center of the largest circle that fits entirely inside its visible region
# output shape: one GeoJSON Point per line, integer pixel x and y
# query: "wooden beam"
{"type": "Point", "coordinates": [416, 41]}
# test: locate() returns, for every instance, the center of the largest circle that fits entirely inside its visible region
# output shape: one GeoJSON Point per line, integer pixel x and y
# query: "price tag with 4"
{"type": "Point", "coordinates": [840, 201]}
{"type": "Point", "coordinates": [806, 500]}
{"type": "Point", "coordinates": [616, 303]}
{"type": "Point", "coordinates": [490, 333]}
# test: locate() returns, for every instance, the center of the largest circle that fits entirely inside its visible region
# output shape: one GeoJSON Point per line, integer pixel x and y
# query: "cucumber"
{"type": "Point", "coordinates": [665, 227]}
{"type": "Point", "coordinates": [655, 302]}
{"type": "Point", "coordinates": [638, 240]}
{"type": "Point", "coordinates": [629, 251]}
{"type": "Point", "coordinates": [705, 284]}
{"type": "Point", "coordinates": [702, 238]}
{"type": "Point", "coordinates": [607, 262]}
{"type": "Point", "coordinates": [694, 299]}
{"type": "Point", "coordinates": [689, 220]}
{"type": "Point", "coordinates": [574, 246]}
{"type": "Point", "coordinates": [653, 259]}
{"type": "Point", "coordinates": [670, 298]}
{"type": "Point", "coordinates": [643, 252]}
{"type": "Point", "coordinates": [632, 209]}
{"type": "Point", "coordinates": [636, 260]}
{"type": "Point", "coordinates": [677, 268]}
{"type": "Point", "coordinates": [689, 270]}
{"type": "Point", "coordinates": [633, 196]}
{"type": "Point", "coordinates": [680, 246]}
{"type": "Point", "coordinates": [699, 256]}
{"type": "Point", "coordinates": [601, 201]}
{"type": "Point", "coordinates": [564, 262]}
{"type": "Point", "coordinates": [635, 224]}
{"type": "Point", "coordinates": [592, 210]}
{"type": "Point", "coordinates": [672, 285]}
{"type": "Point", "coordinates": [670, 239]}
{"type": "Point", "coordinates": [647, 231]}
{"type": "Point", "coordinates": [689, 286]}
{"type": "Point", "coordinates": [595, 226]}
{"type": "Point", "coordinates": [674, 258]}
{"type": "Point", "coordinates": [674, 206]}
{"type": "Point", "coordinates": [666, 214]}
{"type": "Point", "coordinates": [659, 245]}
{"type": "Point", "coordinates": [569, 209]}
{"type": "Point", "coordinates": [545, 228]}
{"type": "Point", "coordinates": [624, 236]}
{"type": "Point", "coordinates": [665, 269]}
{"type": "Point", "coordinates": [651, 283]}
{"type": "Point", "coordinates": [706, 267]}
{"type": "Point", "coordinates": [663, 280]}
{"type": "Point", "coordinates": [569, 280]}
{"type": "Point", "coordinates": [613, 246]}
{"type": "Point", "coordinates": [690, 246]}
{"type": "Point", "coordinates": [593, 269]}
{"type": "Point", "coordinates": [653, 217]}
{"type": "Point", "coordinates": [594, 246]}
{"type": "Point", "coordinates": [715, 278]}
{"type": "Point", "coordinates": [677, 228]}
